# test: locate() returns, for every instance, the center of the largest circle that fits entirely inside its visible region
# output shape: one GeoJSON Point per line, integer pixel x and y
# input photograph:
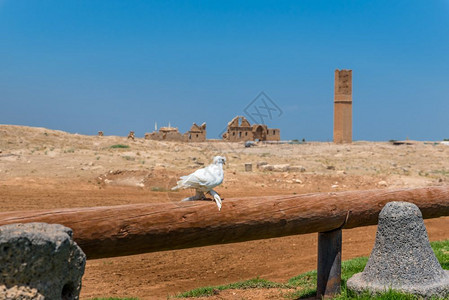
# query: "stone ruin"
{"type": "Point", "coordinates": [39, 261]}
{"type": "Point", "coordinates": [402, 258]}
{"type": "Point", "coordinates": [343, 106]}
{"type": "Point", "coordinates": [195, 134]}
{"type": "Point", "coordinates": [240, 130]}
{"type": "Point", "coordinates": [131, 135]}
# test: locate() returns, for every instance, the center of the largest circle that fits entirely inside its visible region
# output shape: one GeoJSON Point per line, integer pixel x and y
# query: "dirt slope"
{"type": "Point", "coordinates": [42, 168]}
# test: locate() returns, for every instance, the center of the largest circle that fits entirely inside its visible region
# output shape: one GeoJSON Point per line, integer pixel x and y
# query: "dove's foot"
{"type": "Point", "coordinates": [190, 198]}
{"type": "Point", "coordinates": [198, 196]}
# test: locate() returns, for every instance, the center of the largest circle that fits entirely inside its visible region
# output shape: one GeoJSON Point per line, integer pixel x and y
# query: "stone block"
{"type": "Point", "coordinates": [296, 169]}
{"type": "Point", "coordinates": [39, 261]}
{"type": "Point", "coordinates": [261, 163]}
{"type": "Point", "coordinates": [402, 258]}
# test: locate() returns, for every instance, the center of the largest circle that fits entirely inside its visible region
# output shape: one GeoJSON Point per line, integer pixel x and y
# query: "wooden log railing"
{"type": "Point", "coordinates": [132, 229]}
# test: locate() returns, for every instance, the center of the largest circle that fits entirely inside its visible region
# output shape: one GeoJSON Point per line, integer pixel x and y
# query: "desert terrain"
{"type": "Point", "coordinates": [42, 168]}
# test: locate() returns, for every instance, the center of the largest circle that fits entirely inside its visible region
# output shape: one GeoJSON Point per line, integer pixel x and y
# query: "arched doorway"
{"type": "Point", "coordinates": [260, 133]}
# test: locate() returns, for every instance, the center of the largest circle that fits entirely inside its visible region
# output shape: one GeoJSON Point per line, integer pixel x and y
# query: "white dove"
{"type": "Point", "coordinates": [204, 180]}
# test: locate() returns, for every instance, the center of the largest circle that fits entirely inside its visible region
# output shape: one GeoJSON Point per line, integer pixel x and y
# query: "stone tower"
{"type": "Point", "coordinates": [343, 106]}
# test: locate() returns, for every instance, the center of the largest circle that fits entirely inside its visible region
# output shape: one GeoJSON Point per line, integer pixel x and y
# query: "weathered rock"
{"type": "Point", "coordinates": [20, 292]}
{"type": "Point", "coordinates": [382, 183]}
{"type": "Point", "coordinates": [261, 163]}
{"type": "Point", "coordinates": [266, 167]}
{"type": "Point", "coordinates": [280, 168]}
{"type": "Point", "coordinates": [402, 258]}
{"type": "Point", "coordinates": [296, 169]}
{"type": "Point", "coordinates": [39, 261]}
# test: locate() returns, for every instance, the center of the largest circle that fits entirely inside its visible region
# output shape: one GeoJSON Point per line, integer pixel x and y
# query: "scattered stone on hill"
{"type": "Point", "coordinates": [261, 163]}
{"type": "Point", "coordinates": [382, 183]}
{"type": "Point", "coordinates": [281, 168]}
{"type": "Point", "coordinates": [297, 169]}
{"type": "Point", "coordinates": [135, 178]}
{"type": "Point", "coordinates": [266, 167]}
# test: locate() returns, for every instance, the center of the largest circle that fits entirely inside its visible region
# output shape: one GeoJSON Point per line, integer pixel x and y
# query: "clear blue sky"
{"type": "Point", "coordinates": [84, 66]}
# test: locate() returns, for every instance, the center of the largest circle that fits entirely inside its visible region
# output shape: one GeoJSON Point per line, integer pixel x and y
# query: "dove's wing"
{"type": "Point", "coordinates": [203, 179]}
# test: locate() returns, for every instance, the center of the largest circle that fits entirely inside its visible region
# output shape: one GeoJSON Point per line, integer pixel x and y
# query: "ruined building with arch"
{"type": "Point", "coordinates": [240, 130]}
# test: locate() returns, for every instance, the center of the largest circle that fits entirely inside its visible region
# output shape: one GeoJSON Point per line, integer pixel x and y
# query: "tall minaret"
{"type": "Point", "coordinates": [343, 106]}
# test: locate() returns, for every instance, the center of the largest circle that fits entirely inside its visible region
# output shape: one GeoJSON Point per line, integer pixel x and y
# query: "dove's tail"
{"type": "Point", "coordinates": [218, 201]}
{"type": "Point", "coordinates": [180, 183]}
{"type": "Point", "coordinates": [177, 187]}
{"type": "Point", "coordinates": [216, 198]}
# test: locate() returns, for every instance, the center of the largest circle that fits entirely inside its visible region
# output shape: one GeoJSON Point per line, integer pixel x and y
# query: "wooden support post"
{"type": "Point", "coordinates": [329, 263]}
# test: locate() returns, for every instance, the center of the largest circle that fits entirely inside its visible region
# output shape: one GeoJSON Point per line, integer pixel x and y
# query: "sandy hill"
{"type": "Point", "coordinates": [42, 168]}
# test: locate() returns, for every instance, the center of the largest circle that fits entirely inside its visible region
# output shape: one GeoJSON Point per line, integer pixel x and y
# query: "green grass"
{"type": "Point", "coordinates": [70, 150]}
{"type": "Point", "coordinates": [255, 283]}
{"type": "Point", "coordinates": [119, 146]}
{"type": "Point", "coordinates": [441, 250]}
{"type": "Point", "coordinates": [127, 157]}
{"type": "Point", "coordinates": [306, 283]}
{"type": "Point", "coordinates": [160, 189]}
{"type": "Point", "coordinates": [390, 295]}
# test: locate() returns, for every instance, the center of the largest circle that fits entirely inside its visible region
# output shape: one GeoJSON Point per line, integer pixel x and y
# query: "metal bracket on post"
{"type": "Point", "coordinates": [329, 262]}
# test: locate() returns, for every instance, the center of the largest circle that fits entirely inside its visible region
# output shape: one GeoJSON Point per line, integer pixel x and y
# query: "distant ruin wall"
{"type": "Point", "coordinates": [240, 130]}
{"type": "Point", "coordinates": [166, 136]}
{"type": "Point", "coordinates": [195, 134]}
{"type": "Point", "coordinates": [273, 134]}
{"type": "Point", "coordinates": [343, 106]}
{"type": "Point", "coordinates": [239, 134]}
